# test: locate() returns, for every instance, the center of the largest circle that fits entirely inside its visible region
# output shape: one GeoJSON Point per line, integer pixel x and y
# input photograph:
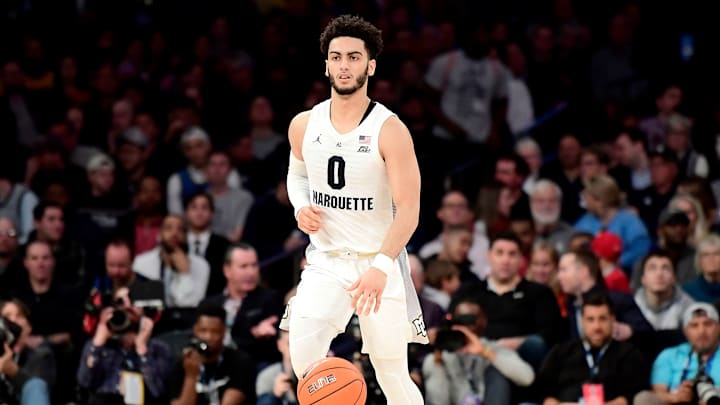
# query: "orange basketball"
{"type": "Point", "coordinates": [332, 381]}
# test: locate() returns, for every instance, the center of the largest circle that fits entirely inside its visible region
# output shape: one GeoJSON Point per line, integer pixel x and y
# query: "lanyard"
{"type": "Point", "coordinates": [592, 362]}
{"type": "Point", "coordinates": [686, 369]}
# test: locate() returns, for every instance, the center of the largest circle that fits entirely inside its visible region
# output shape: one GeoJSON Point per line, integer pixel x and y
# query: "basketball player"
{"type": "Point", "coordinates": [354, 182]}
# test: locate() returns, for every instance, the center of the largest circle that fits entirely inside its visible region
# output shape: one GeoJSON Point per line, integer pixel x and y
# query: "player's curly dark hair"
{"type": "Point", "coordinates": [355, 27]}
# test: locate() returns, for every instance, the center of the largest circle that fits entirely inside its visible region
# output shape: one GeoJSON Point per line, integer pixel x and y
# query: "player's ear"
{"type": "Point", "coordinates": [327, 73]}
{"type": "Point", "coordinates": [371, 67]}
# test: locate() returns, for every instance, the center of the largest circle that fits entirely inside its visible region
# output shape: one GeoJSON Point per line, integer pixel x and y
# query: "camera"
{"type": "Point", "coordinates": [9, 333]}
{"type": "Point", "coordinates": [705, 390]}
{"type": "Point", "coordinates": [450, 340]}
{"type": "Point", "coordinates": [199, 346]}
{"type": "Point", "coordinates": [121, 322]}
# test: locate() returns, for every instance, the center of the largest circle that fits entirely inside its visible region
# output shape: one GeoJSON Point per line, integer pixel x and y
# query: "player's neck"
{"type": "Point", "coordinates": [347, 111]}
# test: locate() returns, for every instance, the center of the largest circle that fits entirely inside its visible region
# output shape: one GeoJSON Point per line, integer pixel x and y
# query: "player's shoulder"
{"type": "Point", "coordinates": [300, 120]}
{"type": "Point", "coordinates": [393, 124]}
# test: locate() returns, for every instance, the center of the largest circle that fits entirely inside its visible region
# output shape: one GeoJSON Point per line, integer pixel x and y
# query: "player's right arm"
{"type": "Point", "coordinates": [307, 215]}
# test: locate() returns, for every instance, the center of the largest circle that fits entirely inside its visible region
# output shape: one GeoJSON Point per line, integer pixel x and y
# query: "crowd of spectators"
{"type": "Point", "coordinates": [569, 153]}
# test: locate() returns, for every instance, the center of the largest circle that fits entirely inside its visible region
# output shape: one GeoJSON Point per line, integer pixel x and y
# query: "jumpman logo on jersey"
{"type": "Point", "coordinates": [317, 140]}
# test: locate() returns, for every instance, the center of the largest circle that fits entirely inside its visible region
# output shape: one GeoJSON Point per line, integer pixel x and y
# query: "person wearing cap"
{"type": "Point", "coordinates": [603, 200]}
{"type": "Point", "coordinates": [706, 287]}
{"type": "Point", "coordinates": [673, 238]}
{"type": "Point", "coordinates": [132, 155]}
{"type": "Point", "coordinates": [676, 367]}
{"type": "Point", "coordinates": [651, 200]}
{"type": "Point", "coordinates": [659, 297]}
{"type": "Point", "coordinates": [196, 147]}
{"type": "Point", "coordinates": [692, 163]}
{"type": "Point", "coordinates": [607, 247]}
{"type": "Point", "coordinates": [103, 201]}
{"type": "Point", "coordinates": [596, 357]}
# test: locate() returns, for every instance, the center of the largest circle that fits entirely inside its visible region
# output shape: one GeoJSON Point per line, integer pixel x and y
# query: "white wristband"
{"type": "Point", "coordinates": [383, 263]}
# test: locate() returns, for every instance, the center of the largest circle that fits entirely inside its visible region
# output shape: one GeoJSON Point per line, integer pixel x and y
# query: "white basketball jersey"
{"type": "Point", "coordinates": [348, 181]}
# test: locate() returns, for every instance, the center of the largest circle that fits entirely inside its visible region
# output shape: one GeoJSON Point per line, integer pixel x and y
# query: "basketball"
{"type": "Point", "coordinates": [332, 381]}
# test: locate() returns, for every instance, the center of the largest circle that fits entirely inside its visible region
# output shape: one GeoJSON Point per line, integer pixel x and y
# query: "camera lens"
{"type": "Point", "coordinates": [119, 322]}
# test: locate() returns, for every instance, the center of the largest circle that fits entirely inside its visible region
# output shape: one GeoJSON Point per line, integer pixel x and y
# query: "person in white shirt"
{"type": "Point", "coordinates": [184, 274]}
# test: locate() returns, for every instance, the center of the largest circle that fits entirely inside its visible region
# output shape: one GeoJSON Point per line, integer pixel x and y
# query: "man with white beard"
{"type": "Point", "coordinates": [546, 205]}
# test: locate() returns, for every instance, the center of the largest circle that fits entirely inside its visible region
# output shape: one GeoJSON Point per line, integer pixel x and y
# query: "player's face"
{"type": "Point", "coordinates": [347, 65]}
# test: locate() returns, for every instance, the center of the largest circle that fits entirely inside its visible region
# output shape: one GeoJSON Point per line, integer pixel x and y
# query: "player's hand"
{"type": "Point", "coordinates": [367, 290]}
{"type": "Point", "coordinates": [309, 219]}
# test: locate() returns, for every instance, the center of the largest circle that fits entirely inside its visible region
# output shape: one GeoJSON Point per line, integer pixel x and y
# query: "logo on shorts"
{"type": "Point", "coordinates": [419, 325]}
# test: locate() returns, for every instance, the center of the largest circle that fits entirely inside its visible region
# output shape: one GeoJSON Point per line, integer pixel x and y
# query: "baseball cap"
{"type": "Point", "coordinates": [699, 309]}
{"type": "Point", "coordinates": [194, 133]}
{"type": "Point", "coordinates": [673, 216]}
{"type": "Point", "coordinates": [663, 153]}
{"type": "Point", "coordinates": [607, 245]}
{"type": "Point", "coordinates": [135, 136]}
{"type": "Point", "coordinates": [98, 161]}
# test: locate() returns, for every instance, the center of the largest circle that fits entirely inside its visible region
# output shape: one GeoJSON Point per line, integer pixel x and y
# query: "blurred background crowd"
{"type": "Point", "coordinates": [569, 152]}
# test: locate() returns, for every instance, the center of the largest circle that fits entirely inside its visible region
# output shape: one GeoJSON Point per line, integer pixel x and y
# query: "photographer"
{"type": "Point", "coordinates": [121, 362]}
{"type": "Point", "coordinates": [209, 373]}
{"type": "Point", "coordinates": [184, 275]}
{"type": "Point", "coordinates": [459, 370]}
{"type": "Point", "coordinates": [677, 370]}
{"type": "Point", "coordinates": [27, 374]}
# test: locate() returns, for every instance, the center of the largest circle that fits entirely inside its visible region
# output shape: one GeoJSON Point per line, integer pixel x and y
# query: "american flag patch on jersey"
{"type": "Point", "coordinates": [365, 139]}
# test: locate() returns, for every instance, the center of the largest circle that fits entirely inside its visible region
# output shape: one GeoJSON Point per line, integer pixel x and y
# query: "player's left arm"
{"type": "Point", "coordinates": [396, 148]}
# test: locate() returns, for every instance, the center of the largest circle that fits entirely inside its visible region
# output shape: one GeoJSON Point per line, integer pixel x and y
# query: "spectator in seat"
{"type": "Point", "coordinates": [69, 255]}
{"type": "Point", "coordinates": [525, 315]}
{"type": "Point", "coordinates": [196, 147]}
{"type": "Point", "coordinates": [442, 280]}
{"type": "Point", "coordinates": [183, 273]}
{"type": "Point", "coordinates": [674, 370]}
{"type": "Point", "coordinates": [11, 269]}
{"type": "Point", "coordinates": [580, 276]}
{"type": "Point", "coordinates": [478, 372]}
{"type": "Point", "coordinates": [455, 211]}
{"type": "Point", "coordinates": [706, 287]}
{"type": "Point", "coordinates": [565, 172]}
{"type": "Point", "coordinates": [232, 205]}
{"type": "Point", "coordinates": [674, 239]}
{"type": "Point", "coordinates": [221, 375]}
{"type": "Point", "coordinates": [660, 298]}
{"type": "Point", "coordinates": [594, 358]}
{"type": "Point", "coordinates": [199, 211]}
{"type": "Point", "coordinates": [16, 202]}
{"type": "Point", "coordinates": [650, 201]}
{"type": "Point", "coordinates": [699, 226]}
{"type": "Point", "coordinates": [277, 384]}
{"type": "Point", "coordinates": [141, 226]}
{"type": "Point", "coordinates": [608, 247]}
{"type": "Point", "coordinates": [122, 353]}
{"type": "Point", "coordinates": [28, 373]}
{"type": "Point", "coordinates": [546, 206]}
{"type": "Point", "coordinates": [603, 201]}
{"type": "Point", "coordinates": [253, 312]}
